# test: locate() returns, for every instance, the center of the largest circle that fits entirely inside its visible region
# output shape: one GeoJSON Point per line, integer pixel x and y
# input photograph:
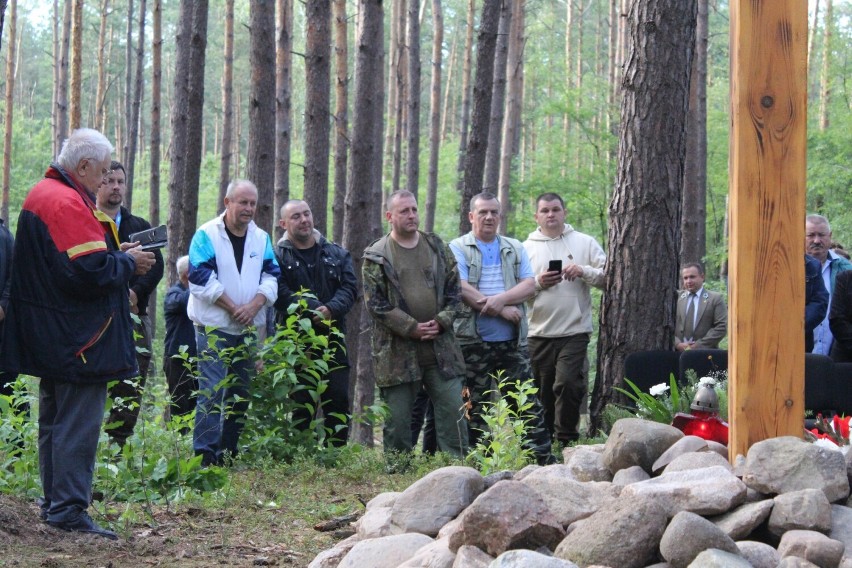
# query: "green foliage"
{"type": "Point", "coordinates": [658, 407]}
{"type": "Point", "coordinates": [666, 401]}
{"type": "Point", "coordinates": [18, 435]}
{"type": "Point", "coordinates": [501, 446]}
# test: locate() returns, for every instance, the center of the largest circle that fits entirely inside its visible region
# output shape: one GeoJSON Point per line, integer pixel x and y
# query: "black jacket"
{"type": "Point", "coordinates": [816, 300]}
{"type": "Point", "coordinates": [143, 286]}
{"type": "Point", "coordinates": [337, 289]}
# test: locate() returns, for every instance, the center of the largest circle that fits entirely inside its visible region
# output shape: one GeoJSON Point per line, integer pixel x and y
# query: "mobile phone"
{"type": "Point", "coordinates": [554, 266]}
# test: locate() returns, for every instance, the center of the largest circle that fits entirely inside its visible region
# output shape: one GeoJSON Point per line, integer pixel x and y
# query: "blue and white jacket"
{"type": "Point", "coordinates": [213, 271]}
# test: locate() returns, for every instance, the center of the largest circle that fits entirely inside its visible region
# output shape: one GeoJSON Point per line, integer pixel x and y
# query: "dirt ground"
{"type": "Point", "coordinates": [190, 537]}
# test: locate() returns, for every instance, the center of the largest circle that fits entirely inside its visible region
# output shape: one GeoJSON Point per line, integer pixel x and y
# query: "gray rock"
{"type": "Point", "coordinates": [434, 500]}
{"type": "Point", "coordinates": [625, 535]}
{"type": "Point", "coordinates": [386, 499]}
{"type": "Point", "coordinates": [633, 441]}
{"type": "Point", "coordinates": [570, 500]}
{"type": "Point", "coordinates": [587, 465]}
{"type": "Point", "coordinates": [519, 476]}
{"type": "Point", "coordinates": [742, 521]}
{"type": "Point", "coordinates": [376, 523]}
{"type": "Point", "coordinates": [630, 475]}
{"type": "Point", "coordinates": [845, 562]}
{"type": "Point", "coordinates": [688, 535]}
{"type": "Point", "coordinates": [471, 557]}
{"type": "Point", "coordinates": [528, 559]}
{"type": "Point", "coordinates": [781, 465]}
{"type": "Point", "coordinates": [436, 554]}
{"type": "Point", "coordinates": [509, 515]}
{"type": "Point", "coordinates": [713, 558]}
{"type": "Point", "coordinates": [490, 479]}
{"type": "Point", "coordinates": [760, 554]}
{"type": "Point", "coordinates": [841, 526]}
{"type": "Point", "coordinates": [720, 449]}
{"type": "Point", "coordinates": [685, 445]}
{"type": "Point", "coordinates": [812, 546]}
{"type": "Point", "coordinates": [384, 552]}
{"type": "Point", "coordinates": [710, 491]}
{"type": "Point", "coordinates": [807, 509]}
{"type": "Point", "coordinates": [560, 471]}
{"type": "Point", "coordinates": [697, 460]}
{"type": "Point", "coordinates": [796, 562]}
{"type": "Point", "coordinates": [332, 557]}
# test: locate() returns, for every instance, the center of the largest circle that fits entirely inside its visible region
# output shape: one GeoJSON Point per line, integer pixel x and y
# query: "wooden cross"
{"type": "Point", "coordinates": [767, 186]}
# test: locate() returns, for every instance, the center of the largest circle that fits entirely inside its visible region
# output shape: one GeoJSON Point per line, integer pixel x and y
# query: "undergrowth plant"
{"type": "Point", "coordinates": [501, 446]}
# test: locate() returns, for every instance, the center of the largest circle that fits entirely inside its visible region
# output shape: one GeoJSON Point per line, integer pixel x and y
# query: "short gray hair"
{"type": "Point", "coordinates": [182, 265]}
{"type": "Point", "coordinates": [84, 143]}
{"type": "Point", "coordinates": [815, 219]}
{"type": "Point", "coordinates": [232, 187]}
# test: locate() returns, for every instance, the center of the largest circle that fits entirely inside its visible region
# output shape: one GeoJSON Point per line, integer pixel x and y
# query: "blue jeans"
{"type": "Point", "coordinates": [69, 424]}
{"type": "Point", "coordinates": [223, 388]}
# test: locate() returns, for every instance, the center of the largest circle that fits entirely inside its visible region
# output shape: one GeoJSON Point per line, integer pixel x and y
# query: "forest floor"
{"type": "Point", "coordinates": [266, 517]}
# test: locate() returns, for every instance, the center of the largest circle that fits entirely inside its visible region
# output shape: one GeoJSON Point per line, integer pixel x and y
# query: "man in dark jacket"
{"type": "Point", "coordinates": [127, 403]}
{"type": "Point", "coordinates": [309, 261]}
{"type": "Point", "coordinates": [69, 320]}
{"type": "Point", "coordinates": [816, 300]}
{"type": "Point", "coordinates": [7, 242]}
{"type": "Point", "coordinates": [180, 373]}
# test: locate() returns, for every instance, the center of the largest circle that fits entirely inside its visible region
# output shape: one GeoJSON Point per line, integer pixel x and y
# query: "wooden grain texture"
{"type": "Point", "coordinates": [767, 183]}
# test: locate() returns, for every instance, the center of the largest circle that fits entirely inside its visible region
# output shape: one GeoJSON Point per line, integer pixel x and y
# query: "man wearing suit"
{"type": "Point", "coordinates": [702, 317]}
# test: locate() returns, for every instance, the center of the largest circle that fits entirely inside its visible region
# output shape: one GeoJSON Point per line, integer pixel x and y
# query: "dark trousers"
{"type": "Point", "coordinates": [127, 395]}
{"type": "Point", "coordinates": [559, 366]}
{"type": "Point", "coordinates": [334, 402]}
{"type": "Point", "coordinates": [483, 361]}
{"type": "Point", "coordinates": [182, 384]}
{"type": "Point", "coordinates": [423, 418]}
{"type": "Point", "coordinates": [69, 424]}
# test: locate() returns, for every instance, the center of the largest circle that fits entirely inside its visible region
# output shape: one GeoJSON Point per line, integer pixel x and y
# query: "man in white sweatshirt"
{"type": "Point", "coordinates": [560, 313]}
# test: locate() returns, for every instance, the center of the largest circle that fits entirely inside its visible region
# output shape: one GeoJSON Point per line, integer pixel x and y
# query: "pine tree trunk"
{"type": "Point", "coordinates": [227, 104]}
{"type": "Point", "coordinates": [362, 198]}
{"type": "Point", "coordinates": [813, 34]}
{"type": "Point", "coordinates": [511, 125]}
{"type": "Point", "coordinates": [136, 108]}
{"type": "Point", "coordinates": [474, 163]}
{"type": "Point", "coordinates": [825, 81]}
{"type": "Point", "coordinates": [156, 101]}
{"type": "Point", "coordinates": [412, 170]}
{"type": "Point", "coordinates": [693, 243]}
{"type": "Point", "coordinates": [465, 94]}
{"type": "Point", "coordinates": [447, 110]}
{"type": "Point", "coordinates": [401, 94]}
{"type": "Point", "coordinates": [317, 105]}
{"type": "Point", "coordinates": [10, 91]}
{"type": "Point", "coordinates": [341, 118]}
{"type": "Point", "coordinates": [75, 110]}
{"type": "Point", "coordinates": [128, 86]}
{"type": "Point", "coordinates": [491, 175]}
{"type": "Point", "coordinates": [392, 99]}
{"type": "Point", "coordinates": [100, 93]}
{"type": "Point", "coordinates": [284, 104]}
{"type": "Point", "coordinates": [260, 158]}
{"type": "Point", "coordinates": [638, 307]}
{"type": "Point", "coordinates": [434, 115]}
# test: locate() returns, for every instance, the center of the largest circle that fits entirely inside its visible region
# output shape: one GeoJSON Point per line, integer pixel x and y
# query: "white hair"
{"type": "Point", "coordinates": [182, 265]}
{"type": "Point", "coordinates": [232, 187]}
{"type": "Point", "coordinates": [84, 143]}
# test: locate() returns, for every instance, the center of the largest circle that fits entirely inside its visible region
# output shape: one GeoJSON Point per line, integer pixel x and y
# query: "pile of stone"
{"type": "Point", "coordinates": [648, 497]}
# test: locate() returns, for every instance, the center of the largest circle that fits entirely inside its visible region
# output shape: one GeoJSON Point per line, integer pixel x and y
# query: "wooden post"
{"type": "Point", "coordinates": [767, 185]}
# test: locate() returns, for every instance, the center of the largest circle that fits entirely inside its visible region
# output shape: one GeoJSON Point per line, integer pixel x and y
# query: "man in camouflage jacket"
{"type": "Point", "coordinates": [413, 341]}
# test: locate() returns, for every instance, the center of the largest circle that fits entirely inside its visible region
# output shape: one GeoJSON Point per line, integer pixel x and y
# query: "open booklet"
{"type": "Point", "coordinates": [153, 238]}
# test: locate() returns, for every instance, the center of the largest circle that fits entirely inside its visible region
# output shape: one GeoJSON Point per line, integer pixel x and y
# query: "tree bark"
{"type": "Point", "coordinates": [813, 34]}
{"type": "Point", "coordinates": [511, 124]}
{"type": "Point", "coordinates": [156, 101]}
{"type": "Point", "coordinates": [474, 163]}
{"type": "Point", "coordinates": [434, 115]}
{"type": "Point", "coordinates": [465, 94]}
{"type": "Point", "coordinates": [341, 117]}
{"type": "Point", "coordinates": [362, 198]}
{"type": "Point", "coordinates": [74, 112]}
{"type": "Point", "coordinates": [260, 158]}
{"type": "Point", "coordinates": [128, 85]}
{"type": "Point", "coordinates": [491, 175]}
{"type": "Point", "coordinates": [401, 92]}
{"type": "Point", "coordinates": [825, 82]}
{"type": "Point", "coordinates": [100, 93]}
{"type": "Point", "coordinates": [283, 103]}
{"type": "Point", "coordinates": [317, 104]}
{"type": "Point", "coordinates": [10, 92]}
{"type": "Point", "coordinates": [186, 111]}
{"type": "Point", "coordinates": [226, 149]}
{"type": "Point", "coordinates": [638, 308]}
{"type": "Point", "coordinates": [392, 98]}
{"type": "Point", "coordinates": [693, 244]}
{"type": "Point", "coordinates": [136, 107]}
{"type": "Point", "coordinates": [447, 89]}
{"type": "Point", "coordinates": [412, 170]}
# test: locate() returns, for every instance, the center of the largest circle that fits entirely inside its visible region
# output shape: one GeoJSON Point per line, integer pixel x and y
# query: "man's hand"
{"type": "Point", "coordinates": [426, 331]}
{"type": "Point", "coordinates": [144, 259]}
{"type": "Point", "coordinates": [244, 314]}
{"type": "Point", "coordinates": [684, 346]}
{"type": "Point", "coordinates": [572, 272]}
{"type": "Point", "coordinates": [325, 314]}
{"type": "Point", "coordinates": [134, 301]}
{"type": "Point", "coordinates": [549, 279]}
{"type": "Point", "coordinates": [491, 305]}
{"type": "Point", "coordinates": [512, 314]}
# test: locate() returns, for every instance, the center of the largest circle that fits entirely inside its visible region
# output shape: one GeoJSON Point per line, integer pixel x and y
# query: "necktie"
{"type": "Point", "coordinates": [689, 325]}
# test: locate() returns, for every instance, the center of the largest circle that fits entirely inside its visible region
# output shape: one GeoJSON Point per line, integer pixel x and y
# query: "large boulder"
{"type": "Point", "coordinates": [625, 535]}
{"type": "Point", "coordinates": [384, 552]}
{"type": "Point", "coordinates": [432, 501]}
{"type": "Point", "coordinates": [570, 500]}
{"type": "Point", "coordinates": [688, 535]}
{"type": "Point", "coordinates": [760, 554]}
{"type": "Point", "coordinates": [712, 558]}
{"type": "Point", "coordinates": [509, 515]}
{"type": "Point", "coordinates": [436, 554]}
{"type": "Point", "coordinates": [633, 441]}
{"type": "Point", "coordinates": [807, 509]}
{"type": "Point", "coordinates": [743, 520]}
{"type": "Point", "coordinates": [528, 559]}
{"type": "Point", "coordinates": [711, 491]}
{"type": "Point", "coordinates": [781, 465]}
{"type": "Point", "coordinates": [812, 546]}
{"type": "Point", "coordinates": [841, 526]}
{"type": "Point", "coordinates": [471, 557]}
{"type": "Point", "coordinates": [685, 445]}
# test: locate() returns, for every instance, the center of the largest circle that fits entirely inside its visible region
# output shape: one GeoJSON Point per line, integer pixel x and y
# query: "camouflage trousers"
{"type": "Point", "coordinates": [483, 360]}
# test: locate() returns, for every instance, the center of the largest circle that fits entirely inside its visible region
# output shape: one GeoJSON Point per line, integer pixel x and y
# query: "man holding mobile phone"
{"type": "Point", "coordinates": [567, 263]}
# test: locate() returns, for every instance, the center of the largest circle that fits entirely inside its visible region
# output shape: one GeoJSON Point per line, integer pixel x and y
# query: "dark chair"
{"type": "Point", "coordinates": [820, 390]}
{"type": "Point", "coordinates": [842, 383]}
{"type": "Point", "coordinates": [648, 368]}
{"type": "Point", "coordinates": [704, 362]}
